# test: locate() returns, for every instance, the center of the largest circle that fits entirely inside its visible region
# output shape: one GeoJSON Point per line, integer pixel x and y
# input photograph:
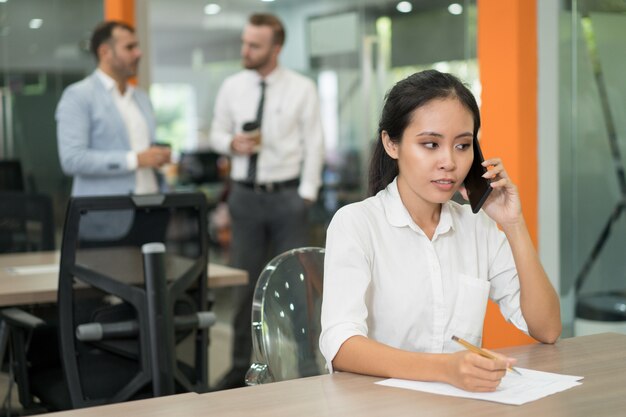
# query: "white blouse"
{"type": "Point", "coordinates": [384, 279]}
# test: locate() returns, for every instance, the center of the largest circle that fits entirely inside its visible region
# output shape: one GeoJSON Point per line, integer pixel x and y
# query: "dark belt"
{"type": "Point", "coordinates": [270, 187]}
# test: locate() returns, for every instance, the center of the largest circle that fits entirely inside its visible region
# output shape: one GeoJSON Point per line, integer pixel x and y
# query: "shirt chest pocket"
{"type": "Point", "coordinates": [280, 117]}
{"type": "Point", "coordinates": [469, 311]}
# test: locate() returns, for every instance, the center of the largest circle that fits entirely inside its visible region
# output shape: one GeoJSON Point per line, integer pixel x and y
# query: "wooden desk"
{"type": "Point", "coordinates": [40, 286]}
{"type": "Point", "coordinates": [601, 359]}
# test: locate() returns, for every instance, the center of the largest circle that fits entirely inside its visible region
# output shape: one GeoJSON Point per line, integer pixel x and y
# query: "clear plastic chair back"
{"type": "Point", "coordinates": [286, 317]}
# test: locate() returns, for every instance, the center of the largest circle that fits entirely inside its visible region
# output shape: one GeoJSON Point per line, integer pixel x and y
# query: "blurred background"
{"type": "Point", "coordinates": [354, 50]}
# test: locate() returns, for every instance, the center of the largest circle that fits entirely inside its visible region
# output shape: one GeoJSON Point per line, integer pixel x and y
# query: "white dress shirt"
{"type": "Point", "coordinates": [138, 134]}
{"type": "Point", "coordinates": [292, 140]}
{"type": "Point", "coordinates": [384, 279]}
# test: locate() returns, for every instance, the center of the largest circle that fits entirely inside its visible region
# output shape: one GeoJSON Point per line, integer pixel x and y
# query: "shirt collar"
{"type": "Point", "coordinates": [398, 216]}
{"type": "Point", "coordinates": [446, 222]}
{"type": "Point", "coordinates": [110, 84]}
{"type": "Point", "coordinates": [271, 78]}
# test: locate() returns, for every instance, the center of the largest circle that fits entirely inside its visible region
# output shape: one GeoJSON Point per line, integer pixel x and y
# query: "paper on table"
{"type": "Point", "coordinates": [33, 269]}
{"type": "Point", "coordinates": [513, 389]}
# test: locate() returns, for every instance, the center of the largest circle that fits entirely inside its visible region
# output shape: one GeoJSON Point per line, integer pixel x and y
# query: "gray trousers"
{"type": "Point", "coordinates": [264, 224]}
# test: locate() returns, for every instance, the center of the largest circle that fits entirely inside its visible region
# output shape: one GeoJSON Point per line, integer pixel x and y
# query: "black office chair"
{"type": "Point", "coordinates": [26, 225]}
{"type": "Point", "coordinates": [132, 287]}
{"type": "Point", "coordinates": [26, 222]}
{"type": "Point", "coordinates": [286, 321]}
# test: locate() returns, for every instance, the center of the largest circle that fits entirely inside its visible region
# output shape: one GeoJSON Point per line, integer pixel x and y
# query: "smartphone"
{"type": "Point", "coordinates": [478, 188]}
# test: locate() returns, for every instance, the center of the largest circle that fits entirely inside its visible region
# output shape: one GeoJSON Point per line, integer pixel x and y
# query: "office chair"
{"type": "Point", "coordinates": [286, 318]}
{"type": "Point", "coordinates": [26, 225]}
{"type": "Point", "coordinates": [26, 222]}
{"type": "Point", "coordinates": [132, 287]}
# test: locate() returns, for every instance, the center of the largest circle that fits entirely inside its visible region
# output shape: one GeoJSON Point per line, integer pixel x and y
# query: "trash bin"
{"type": "Point", "coordinates": [600, 312]}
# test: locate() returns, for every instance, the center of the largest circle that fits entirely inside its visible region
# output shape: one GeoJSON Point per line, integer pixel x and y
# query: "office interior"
{"type": "Point", "coordinates": [355, 50]}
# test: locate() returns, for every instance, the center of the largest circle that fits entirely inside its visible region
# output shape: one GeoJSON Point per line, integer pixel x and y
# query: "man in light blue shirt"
{"type": "Point", "coordinates": [105, 126]}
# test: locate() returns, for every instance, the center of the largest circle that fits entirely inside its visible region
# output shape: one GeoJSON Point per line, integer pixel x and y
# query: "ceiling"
{"type": "Point", "coordinates": [176, 28]}
{"type": "Point", "coordinates": [179, 28]}
{"type": "Point", "coordinates": [58, 44]}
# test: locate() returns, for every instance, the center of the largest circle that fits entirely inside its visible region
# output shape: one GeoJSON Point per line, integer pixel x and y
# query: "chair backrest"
{"type": "Point", "coordinates": [116, 283]}
{"type": "Point", "coordinates": [26, 222]}
{"type": "Point", "coordinates": [11, 178]}
{"type": "Point", "coordinates": [286, 317]}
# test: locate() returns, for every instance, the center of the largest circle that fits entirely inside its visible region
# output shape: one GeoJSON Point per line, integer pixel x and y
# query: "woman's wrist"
{"type": "Point", "coordinates": [440, 367]}
{"type": "Point", "coordinates": [513, 227]}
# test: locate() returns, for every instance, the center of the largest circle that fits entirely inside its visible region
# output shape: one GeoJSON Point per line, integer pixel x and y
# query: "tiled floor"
{"type": "Point", "coordinates": [219, 351]}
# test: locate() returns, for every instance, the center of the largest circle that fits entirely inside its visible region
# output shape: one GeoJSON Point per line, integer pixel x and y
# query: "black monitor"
{"type": "Point", "coordinates": [11, 178]}
{"type": "Point", "coordinates": [200, 167]}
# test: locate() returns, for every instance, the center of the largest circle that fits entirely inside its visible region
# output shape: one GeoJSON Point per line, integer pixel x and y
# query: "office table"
{"type": "Point", "coordinates": [601, 359]}
{"type": "Point", "coordinates": [36, 281]}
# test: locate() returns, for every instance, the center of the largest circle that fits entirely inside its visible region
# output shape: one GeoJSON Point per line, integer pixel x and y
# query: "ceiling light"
{"type": "Point", "coordinates": [455, 9]}
{"type": "Point", "coordinates": [212, 8]}
{"type": "Point", "coordinates": [35, 23]}
{"type": "Point", "coordinates": [404, 7]}
{"type": "Point", "coordinates": [267, 1]}
{"type": "Point", "coordinates": [3, 1]}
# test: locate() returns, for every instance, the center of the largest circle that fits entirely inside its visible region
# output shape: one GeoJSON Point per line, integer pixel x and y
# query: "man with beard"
{"type": "Point", "coordinates": [267, 119]}
{"type": "Point", "coordinates": [105, 126]}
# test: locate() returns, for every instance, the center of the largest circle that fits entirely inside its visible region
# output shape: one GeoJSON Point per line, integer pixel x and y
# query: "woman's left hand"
{"type": "Point", "coordinates": [503, 204]}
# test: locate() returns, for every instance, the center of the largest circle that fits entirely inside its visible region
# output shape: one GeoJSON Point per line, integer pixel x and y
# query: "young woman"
{"type": "Point", "coordinates": [407, 269]}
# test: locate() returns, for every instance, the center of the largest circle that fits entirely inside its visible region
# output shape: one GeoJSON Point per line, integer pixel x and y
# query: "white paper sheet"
{"type": "Point", "coordinates": [514, 389]}
{"type": "Point", "coordinates": [33, 269]}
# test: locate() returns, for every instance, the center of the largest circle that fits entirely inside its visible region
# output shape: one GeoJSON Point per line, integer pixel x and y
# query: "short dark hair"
{"type": "Point", "coordinates": [104, 32]}
{"type": "Point", "coordinates": [266, 19]}
{"type": "Point", "coordinates": [400, 102]}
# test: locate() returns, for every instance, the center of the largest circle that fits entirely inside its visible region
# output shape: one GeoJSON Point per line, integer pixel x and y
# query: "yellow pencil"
{"type": "Point", "coordinates": [467, 345]}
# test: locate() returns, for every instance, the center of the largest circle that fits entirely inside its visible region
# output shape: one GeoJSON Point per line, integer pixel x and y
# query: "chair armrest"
{"type": "Point", "coordinates": [18, 323]}
{"type": "Point", "coordinates": [20, 318]}
{"type": "Point", "coordinates": [91, 332]}
{"type": "Point", "coordinates": [200, 320]}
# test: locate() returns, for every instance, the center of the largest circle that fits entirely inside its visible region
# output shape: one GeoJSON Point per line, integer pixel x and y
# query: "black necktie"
{"type": "Point", "coordinates": [259, 119]}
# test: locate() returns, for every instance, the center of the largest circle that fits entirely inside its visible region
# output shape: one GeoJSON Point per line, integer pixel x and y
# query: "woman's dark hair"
{"type": "Point", "coordinates": [104, 32]}
{"type": "Point", "coordinates": [401, 101]}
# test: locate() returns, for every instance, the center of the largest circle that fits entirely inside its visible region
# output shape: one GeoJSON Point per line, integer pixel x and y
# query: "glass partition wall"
{"type": "Point", "coordinates": [43, 48]}
{"type": "Point", "coordinates": [592, 152]}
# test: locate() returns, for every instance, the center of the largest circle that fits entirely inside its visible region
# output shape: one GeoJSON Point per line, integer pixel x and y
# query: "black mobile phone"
{"type": "Point", "coordinates": [478, 188]}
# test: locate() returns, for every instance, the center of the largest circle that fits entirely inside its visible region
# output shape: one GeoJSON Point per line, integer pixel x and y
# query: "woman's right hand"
{"type": "Point", "coordinates": [472, 372]}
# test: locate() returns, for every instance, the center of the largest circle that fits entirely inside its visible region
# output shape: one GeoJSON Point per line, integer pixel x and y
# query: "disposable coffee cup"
{"type": "Point", "coordinates": [253, 129]}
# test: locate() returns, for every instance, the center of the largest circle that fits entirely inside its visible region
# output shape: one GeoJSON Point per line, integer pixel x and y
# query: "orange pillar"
{"type": "Point", "coordinates": [507, 57]}
{"type": "Point", "coordinates": [122, 10]}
